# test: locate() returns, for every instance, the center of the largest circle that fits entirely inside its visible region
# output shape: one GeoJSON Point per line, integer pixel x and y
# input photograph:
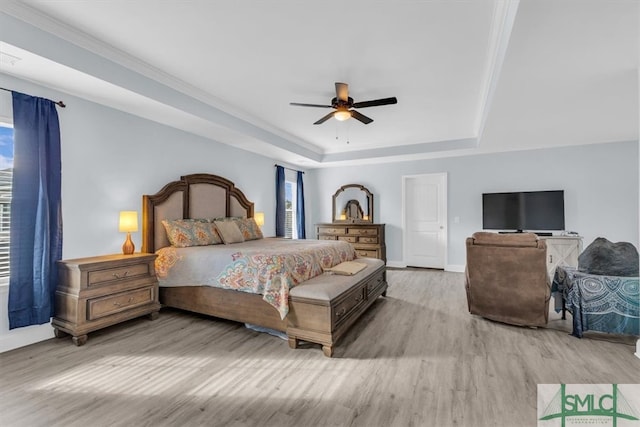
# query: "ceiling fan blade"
{"type": "Point", "coordinates": [375, 102]}
{"type": "Point", "coordinates": [361, 117]}
{"type": "Point", "coordinates": [299, 104]}
{"type": "Point", "coordinates": [325, 118]}
{"type": "Point", "coordinates": [342, 91]}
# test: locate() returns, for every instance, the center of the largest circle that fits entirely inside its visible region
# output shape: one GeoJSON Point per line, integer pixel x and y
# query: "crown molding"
{"type": "Point", "coordinates": [504, 14]}
{"type": "Point", "coordinates": [91, 44]}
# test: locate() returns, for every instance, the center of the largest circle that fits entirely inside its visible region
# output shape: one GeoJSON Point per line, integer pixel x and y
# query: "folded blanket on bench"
{"type": "Point", "coordinates": [347, 268]}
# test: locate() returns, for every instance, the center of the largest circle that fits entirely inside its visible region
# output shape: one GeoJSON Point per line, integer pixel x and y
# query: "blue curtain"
{"type": "Point", "coordinates": [300, 207]}
{"type": "Point", "coordinates": [280, 202]}
{"type": "Point", "coordinates": [36, 213]}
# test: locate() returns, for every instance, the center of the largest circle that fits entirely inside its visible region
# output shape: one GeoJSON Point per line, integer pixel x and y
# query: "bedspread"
{"type": "Point", "coordinates": [599, 303]}
{"type": "Point", "coordinates": [270, 267]}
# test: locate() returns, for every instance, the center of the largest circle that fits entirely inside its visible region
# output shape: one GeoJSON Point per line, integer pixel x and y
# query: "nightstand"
{"type": "Point", "coordinates": [97, 292]}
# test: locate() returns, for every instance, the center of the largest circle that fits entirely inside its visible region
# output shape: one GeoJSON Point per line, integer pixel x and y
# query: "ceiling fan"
{"type": "Point", "coordinates": [343, 105]}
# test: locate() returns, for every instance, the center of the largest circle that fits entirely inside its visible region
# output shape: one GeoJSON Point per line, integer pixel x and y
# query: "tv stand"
{"type": "Point", "coordinates": [537, 233]}
{"type": "Point", "coordinates": [562, 250]}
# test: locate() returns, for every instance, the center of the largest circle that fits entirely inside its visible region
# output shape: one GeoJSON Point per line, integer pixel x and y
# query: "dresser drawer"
{"type": "Point", "coordinates": [364, 231]}
{"type": "Point", "coordinates": [332, 230]}
{"type": "Point", "coordinates": [99, 277]}
{"type": "Point", "coordinates": [367, 254]}
{"type": "Point", "coordinates": [327, 237]}
{"type": "Point", "coordinates": [364, 239]}
{"type": "Point", "coordinates": [105, 306]}
{"type": "Point", "coordinates": [343, 308]}
{"type": "Point", "coordinates": [350, 239]}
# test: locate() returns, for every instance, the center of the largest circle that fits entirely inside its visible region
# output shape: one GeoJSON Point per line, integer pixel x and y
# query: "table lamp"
{"type": "Point", "coordinates": [128, 224]}
{"type": "Point", "coordinates": [259, 218]}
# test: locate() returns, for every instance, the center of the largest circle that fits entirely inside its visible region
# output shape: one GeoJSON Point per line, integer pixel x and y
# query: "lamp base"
{"type": "Point", "coordinates": [128, 247]}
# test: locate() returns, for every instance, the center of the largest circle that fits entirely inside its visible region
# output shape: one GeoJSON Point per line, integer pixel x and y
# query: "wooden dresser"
{"type": "Point", "coordinates": [366, 238]}
{"type": "Point", "coordinates": [97, 292]}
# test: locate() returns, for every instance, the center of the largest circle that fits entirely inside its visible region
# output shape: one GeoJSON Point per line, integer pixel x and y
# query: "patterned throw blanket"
{"type": "Point", "coordinates": [599, 303]}
{"type": "Point", "coordinates": [270, 267]}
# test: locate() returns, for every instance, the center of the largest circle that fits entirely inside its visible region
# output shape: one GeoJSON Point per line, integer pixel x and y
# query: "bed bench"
{"type": "Point", "coordinates": [322, 310]}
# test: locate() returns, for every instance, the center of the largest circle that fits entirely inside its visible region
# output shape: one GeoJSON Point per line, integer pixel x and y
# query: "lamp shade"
{"type": "Point", "coordinates": [128, 221]}
{"type": "Point", "coordinates": [342, 114]}
{"type": "Point", "coordinates": [259, 217]}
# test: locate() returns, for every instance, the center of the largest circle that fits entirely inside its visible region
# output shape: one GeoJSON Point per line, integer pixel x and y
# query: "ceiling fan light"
{"type": "Point", "coordinates": [342, 115]}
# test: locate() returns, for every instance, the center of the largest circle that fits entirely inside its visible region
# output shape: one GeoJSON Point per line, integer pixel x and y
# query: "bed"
{"type": "Point", "coordinates": [319, 307]}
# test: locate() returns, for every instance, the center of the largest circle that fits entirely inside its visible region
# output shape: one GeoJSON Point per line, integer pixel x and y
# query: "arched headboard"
{"type": "Point", "coordinates": [198, 195]}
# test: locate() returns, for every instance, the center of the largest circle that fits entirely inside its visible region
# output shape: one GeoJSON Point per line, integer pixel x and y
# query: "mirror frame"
{"type": "Point", "coordinates": [369, 204]}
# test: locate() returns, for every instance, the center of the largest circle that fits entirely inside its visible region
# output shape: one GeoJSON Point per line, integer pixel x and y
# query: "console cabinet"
{"type": "Point", "coordinates": [562, 250]}
{"type": "Point", "coordinates": [366, 238]}
{"type": "Point", "coordinates": [97, 292]}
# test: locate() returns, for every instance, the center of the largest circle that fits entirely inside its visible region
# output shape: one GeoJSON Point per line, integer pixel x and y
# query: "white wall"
{"type": "Point", "coordinates": [600, 183]}
{"type": "Point", "coordinates": [109, 160]}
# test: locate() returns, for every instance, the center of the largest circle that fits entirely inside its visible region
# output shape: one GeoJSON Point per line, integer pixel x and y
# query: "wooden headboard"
{"type": "Point", "coordinates": [198, 195]}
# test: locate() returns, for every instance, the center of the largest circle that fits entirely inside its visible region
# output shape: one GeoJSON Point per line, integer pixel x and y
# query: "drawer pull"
{"type": "Point", "coordinates": [341, 312]}
{"type": "Point", "coordinates": [117, 276]}
{"type": "Point", "coordinates": [119, 304]}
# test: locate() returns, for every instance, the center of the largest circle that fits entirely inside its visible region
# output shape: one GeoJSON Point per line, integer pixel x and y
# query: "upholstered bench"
{"type": "Point", "coordinates": [322, 310]}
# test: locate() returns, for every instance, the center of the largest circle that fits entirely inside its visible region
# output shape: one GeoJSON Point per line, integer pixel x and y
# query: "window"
{"type": "Point", "coordinates": [6, 178]}
{"type": "Point", "coordinates": [290, 228]}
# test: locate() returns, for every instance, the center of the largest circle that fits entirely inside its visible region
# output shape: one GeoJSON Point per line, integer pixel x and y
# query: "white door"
{"type": "Point", "coordinates": [425, 220]}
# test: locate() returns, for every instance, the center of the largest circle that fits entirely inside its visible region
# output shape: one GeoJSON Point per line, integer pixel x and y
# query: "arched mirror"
{"type": "Point", "coordinates": [353, 203]}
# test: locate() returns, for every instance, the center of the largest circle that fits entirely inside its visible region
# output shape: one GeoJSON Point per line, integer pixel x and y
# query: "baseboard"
{"type": "Point", "coordinates": [455, 268]}
{"type": "Point", "coordinates": [21, 337]}
{"type": "Point", "coordinates": [11, 339]}
{"type": "Point", "coordinates": [396, 264]}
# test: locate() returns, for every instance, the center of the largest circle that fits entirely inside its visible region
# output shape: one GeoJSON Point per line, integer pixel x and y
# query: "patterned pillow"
{"type": "Point", "coordinates": [249, 229]}
{"type": "Point", "coordinates": [229, 232]}
{"type": "Point", "coordinates": [183, 233]}
{"type": "Point", "coordinates": [225, 218]}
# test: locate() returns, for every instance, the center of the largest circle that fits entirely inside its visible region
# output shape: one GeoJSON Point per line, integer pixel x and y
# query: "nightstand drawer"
{"type": "Point", "coordinates": [99, 277]}
{"type": "Point", "coordinates": [105, 306]}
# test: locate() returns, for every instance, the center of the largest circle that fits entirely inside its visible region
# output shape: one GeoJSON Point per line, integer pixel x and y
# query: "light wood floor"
{"type": "Point", "coordinates": [417, 358]}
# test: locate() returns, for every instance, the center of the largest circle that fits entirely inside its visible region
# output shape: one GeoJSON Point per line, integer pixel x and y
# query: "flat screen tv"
{"type": "Point", "coordinates": [523, 211]}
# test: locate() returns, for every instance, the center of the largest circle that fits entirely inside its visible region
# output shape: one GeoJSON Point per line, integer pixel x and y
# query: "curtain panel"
{"type": "Point", "coordinates": [300, 206]}
{"type": "Point", "coordinates": [36, 211]}
{"type": "Point", "coordinates": [280, 202]}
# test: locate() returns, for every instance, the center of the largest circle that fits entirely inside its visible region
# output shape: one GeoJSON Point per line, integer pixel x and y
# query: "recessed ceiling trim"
{"type": "Point", "coordinates": [504, 14]}
{"type": "Point", "coordinates": [87, 43]}
{"type": "Point", "coordinates": [61, 51]}
{"type": "Point", "coordinates": [427, 147]}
